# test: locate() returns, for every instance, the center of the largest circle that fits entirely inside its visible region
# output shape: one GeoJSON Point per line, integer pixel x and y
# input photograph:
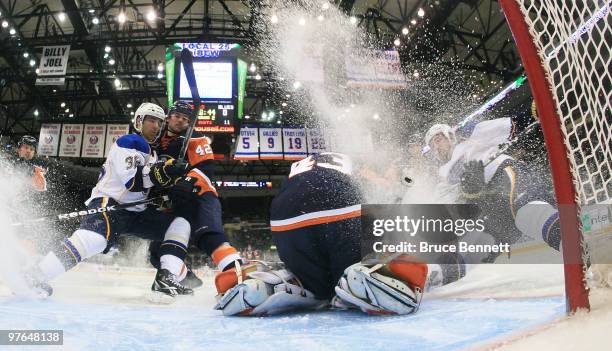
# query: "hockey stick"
{"type": "Point", "coordinates": [87, 212]}
{"type": "Point", "coordinates": [187, 61]}
{"type": "Point", "coordinates": [505, 146]}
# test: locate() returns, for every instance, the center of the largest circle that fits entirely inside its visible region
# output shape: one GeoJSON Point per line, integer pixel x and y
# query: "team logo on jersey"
{"type": "Point", "coordinates": [48, 139]}
{"type": "Point", "coordinates": [93, 140]}
{"type": "Point", "coordinates": [71, 139]}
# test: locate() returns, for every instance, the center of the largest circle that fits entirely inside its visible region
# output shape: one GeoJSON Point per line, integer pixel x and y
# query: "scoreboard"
{"type": "Point", "coordinates": [216, 118]}
{"type": "Point", "coordinates": [221, 79]}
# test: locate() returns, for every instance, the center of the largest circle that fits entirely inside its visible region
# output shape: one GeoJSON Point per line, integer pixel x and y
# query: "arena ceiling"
{"type": "Point", "coordinates": [469, 35]}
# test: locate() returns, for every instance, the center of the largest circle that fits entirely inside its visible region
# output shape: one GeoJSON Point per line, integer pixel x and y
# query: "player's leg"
{"type": "Point", "coordinates": [208, 233]}
{"type": "Point", "coordinates": [92, 237]}
{"type": "Point", "coordinates": [174, 233]}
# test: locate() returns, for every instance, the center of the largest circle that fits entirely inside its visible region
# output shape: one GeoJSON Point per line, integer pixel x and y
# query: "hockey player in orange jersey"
{"type": "Point", "coordinates": [193, 194]}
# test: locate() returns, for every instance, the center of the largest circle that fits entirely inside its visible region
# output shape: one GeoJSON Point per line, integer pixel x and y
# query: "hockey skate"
{"type": "Point", "coordinates": [39, 288]}
{"type": "Point", "coordinates": [166, 287]}
{"type": "Point", "coordinates": [191, 280]}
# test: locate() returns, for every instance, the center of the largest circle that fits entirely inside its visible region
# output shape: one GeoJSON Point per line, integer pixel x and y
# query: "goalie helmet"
{"type": "Point", "coordinates": [443, 129]}
{"type": "Point", "coordinates": [147, 109]}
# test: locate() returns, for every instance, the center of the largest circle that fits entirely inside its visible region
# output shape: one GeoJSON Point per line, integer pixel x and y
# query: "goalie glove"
{"type": "Point", "coordinates": [393, 288]}
{"type": "Point", "coordinates": [264, 293]}
{"type": "Point", "coordinates": [164, 173]}
{"type": "Point", "coordinates": [473, 180]}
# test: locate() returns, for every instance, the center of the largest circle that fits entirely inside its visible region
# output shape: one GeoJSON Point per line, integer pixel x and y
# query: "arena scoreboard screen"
{"type": "Point", "coordinates": [221, 79]}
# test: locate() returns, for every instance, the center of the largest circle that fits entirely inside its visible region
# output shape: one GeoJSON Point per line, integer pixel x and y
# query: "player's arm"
{"type": "Point", "coordinates": [201, 157]}
{"type": "Point", "coordinates": [127, 162]}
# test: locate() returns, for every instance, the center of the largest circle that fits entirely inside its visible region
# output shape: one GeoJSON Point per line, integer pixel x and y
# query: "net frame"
{"type": "Point", "coordinates": [554, 39]}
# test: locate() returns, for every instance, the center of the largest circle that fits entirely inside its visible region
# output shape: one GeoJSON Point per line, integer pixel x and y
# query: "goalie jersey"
{"type": "Point", "coordinates": [125, 173]}
{"type": "Point", "coordinates": [319, 188]}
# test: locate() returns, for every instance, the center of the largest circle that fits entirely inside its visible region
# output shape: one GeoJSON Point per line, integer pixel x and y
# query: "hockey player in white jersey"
{"type": "Point", "coordinates": [124, 179]}
{"type": "Point", "coordinates": [514, 201]}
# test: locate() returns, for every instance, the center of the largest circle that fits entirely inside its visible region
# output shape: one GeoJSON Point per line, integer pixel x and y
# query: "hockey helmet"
{"type": "Point", "coordinates": [27, 140]}
{"type": "Point", "coordinates": [147, 109]}
{"type": "Point", "coordinates": [182, 107]}
{"type": "Point", "coordinates": [443, 129]}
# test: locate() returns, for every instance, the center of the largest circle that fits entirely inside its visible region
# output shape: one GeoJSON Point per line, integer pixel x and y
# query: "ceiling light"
{"type": "Point", "coordinates": [404, 31]}
{"type": "Point", "coordinates": [415, 74]}
{"type": "Point", "coordinates": [12, 31]}
{"type": "Point", "coordinates": [111, 62]}
{"type": "Point", "coordinates": [92, 10]}
{"type": "Point", "coordinates": [252, 67]}
{"type": "Point", "coordinates": [67, 110]}
{"type": "Point", "coordinates": [32, 63]}
{"type": "Point", "coordinates": [36, 112]}
{"type": "Point", "coordinates": [107, 48]}
{"type": "Point", "coordinates": [151, 16]}
{"type": "Point", "coordinates": [95, 20]}
{"type": "Point", "coordinates": [302, 21]}
{"type": "Point", "coordinates": [297, 85]}
{"type": "Point", "coordinates": [4, 24]}
{"type": "Point", "coordinates": [25, 54]}
{"type": "Point", "coordinates": [257, 77]}
{"type": "Point", "coordinates": [421, 12]}
{"type": "Point", "coordinates": [61, 16]}
{"type": "Point", "coordinates": [284, 104]}
{"type": "Point", "coordinates": [353, 20]}
{"type": "Point", "coordinates": [63, 104]}
{"type": "Point", "coordinates": [376, 116]}
{"type": "Point", "coordinates": [117, 83]}
{"type": "Point", "coordinates": [320, 18]}
{"type": "Point", "coordinates": [129, 105]}
{"type": "Point", "coordinates": [397, 42]}
{"type": "Point", "coordinates": [121, 17]}
{"type": "Point", "coordinates": [274, 19]}
{"type": "Point", "coordinates": [160, 75]}
{"type": "Point", "coordinates": [160, 67]}
{"type": "Point", "coordinates": [37, 70]}
{"type": "Point", "coordinates": [132, 113]}
{"type": "Point", "coordinates": [247, 117]}
{"type": "Point", "coordinates": [106, 55]}
{"type": "Point", "coordinates": [71, 115]}
{"type": "Point", "coordinates": [413, 22]}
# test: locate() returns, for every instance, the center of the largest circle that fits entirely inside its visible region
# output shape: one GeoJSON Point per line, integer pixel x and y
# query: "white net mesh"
{"type": "Point", "coordinates": [574, 40]}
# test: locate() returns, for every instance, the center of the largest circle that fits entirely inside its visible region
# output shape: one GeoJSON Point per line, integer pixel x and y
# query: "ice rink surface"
{"type": "Point", "coordinates": [103, 308]}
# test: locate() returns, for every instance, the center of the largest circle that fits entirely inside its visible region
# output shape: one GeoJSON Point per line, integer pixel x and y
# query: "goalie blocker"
{"type": "Point", "coordinates": [315, 221]}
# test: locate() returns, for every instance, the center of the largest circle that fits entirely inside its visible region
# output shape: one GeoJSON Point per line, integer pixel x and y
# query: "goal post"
{"type": "Point", "coordinates": [565, 50]}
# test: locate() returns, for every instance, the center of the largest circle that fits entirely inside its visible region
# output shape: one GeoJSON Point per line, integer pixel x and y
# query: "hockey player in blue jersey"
{"type": "Point", "coordinates": [315, 222]}
{"type": "Point", "coordinates": [124, 179]}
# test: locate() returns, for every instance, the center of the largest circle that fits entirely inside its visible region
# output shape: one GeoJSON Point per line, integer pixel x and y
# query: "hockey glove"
{"type": "Point", "coordinates": [164, 173]}
{"type": "Point", "coordinates": [473, 180]}
{"type": "Point", "coordinates": [183, 190]}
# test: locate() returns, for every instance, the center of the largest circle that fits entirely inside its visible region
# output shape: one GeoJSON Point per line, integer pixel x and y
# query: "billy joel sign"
{"type": "Point", "coordinates": [53, 64]}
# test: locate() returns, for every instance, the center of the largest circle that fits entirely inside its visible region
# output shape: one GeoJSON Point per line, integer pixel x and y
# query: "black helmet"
{"type": "Point", "coordinates": [182, 107]}
{"type": "Point", "coordinates": [27, 140]}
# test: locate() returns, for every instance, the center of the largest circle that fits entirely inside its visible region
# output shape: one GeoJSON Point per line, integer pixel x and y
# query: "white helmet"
{"type": "Point", "coordinates": [443, 129]}
{"type": "Point", "coordinates": [147, 109]}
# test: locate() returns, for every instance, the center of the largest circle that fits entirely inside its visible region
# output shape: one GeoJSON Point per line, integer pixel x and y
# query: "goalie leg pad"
{"type": "Point", "coordinates": [395, 288]}
{"type": "Point", "coordinates": [267, 293]}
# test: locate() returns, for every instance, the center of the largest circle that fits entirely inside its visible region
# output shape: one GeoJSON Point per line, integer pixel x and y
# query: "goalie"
{"type": "Point", "coordinates": [315, 221]}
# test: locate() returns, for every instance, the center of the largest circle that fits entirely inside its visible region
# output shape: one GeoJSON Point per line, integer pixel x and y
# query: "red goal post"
{"type": "Point", "coordinates": [565, 50]}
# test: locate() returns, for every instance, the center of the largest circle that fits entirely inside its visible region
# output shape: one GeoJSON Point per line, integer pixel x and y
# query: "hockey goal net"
{"type": "Point", "coordinates": [565, 49]}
